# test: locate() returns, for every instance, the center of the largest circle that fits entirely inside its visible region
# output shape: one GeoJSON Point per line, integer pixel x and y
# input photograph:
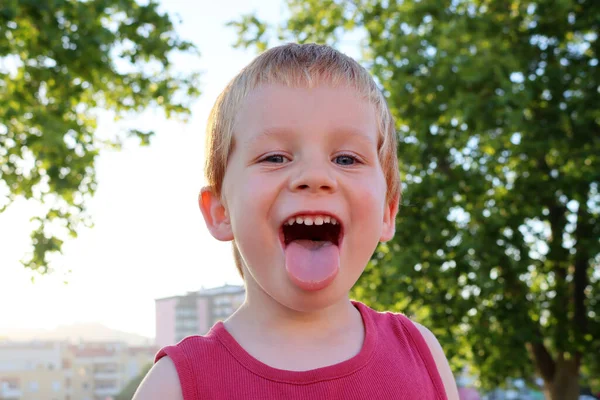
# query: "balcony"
{"type": "Point", "coordinates": [106, 375]}
{"type": "Point", "coordinates": [107, 391]}
{"type": "Point", "coordinates": [8, 393]}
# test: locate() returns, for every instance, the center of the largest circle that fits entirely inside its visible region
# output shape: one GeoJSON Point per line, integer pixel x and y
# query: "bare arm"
{"type": "Point", "coordinates": [162, 382]}
{"type": "Point", "coordinates": [440, 361]}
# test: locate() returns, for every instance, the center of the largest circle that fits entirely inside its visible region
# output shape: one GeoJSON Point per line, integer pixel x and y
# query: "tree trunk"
{"type": "Point", "coordinates": [560, 373]}
{"type": "Point", "coordinates": [565, 383]}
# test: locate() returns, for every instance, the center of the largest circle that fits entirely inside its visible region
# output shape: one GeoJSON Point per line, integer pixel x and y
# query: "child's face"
{"type": "Point", "coordinates": [303, 153]}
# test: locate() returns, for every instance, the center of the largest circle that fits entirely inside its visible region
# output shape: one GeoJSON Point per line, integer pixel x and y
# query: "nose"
{"type": "Point", "coordinates": [313, 177]}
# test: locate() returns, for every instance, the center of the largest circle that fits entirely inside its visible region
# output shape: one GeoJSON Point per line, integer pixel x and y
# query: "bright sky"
{"type": "Point", "coordinates": [149, 238]}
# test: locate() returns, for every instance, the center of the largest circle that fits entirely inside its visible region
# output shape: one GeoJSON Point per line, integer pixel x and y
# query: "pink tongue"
{"type": "Point", "coordinates": [312, 265]}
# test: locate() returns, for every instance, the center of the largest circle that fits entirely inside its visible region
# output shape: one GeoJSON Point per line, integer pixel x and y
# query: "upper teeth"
{"type": "Point", "coordinates": [312, 220]}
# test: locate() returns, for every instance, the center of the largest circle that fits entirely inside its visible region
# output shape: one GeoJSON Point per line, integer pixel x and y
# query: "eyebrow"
{"type": "Point", "coordinates": [286, 132]}
{"type": "Point", "coordinates": [355, 133]}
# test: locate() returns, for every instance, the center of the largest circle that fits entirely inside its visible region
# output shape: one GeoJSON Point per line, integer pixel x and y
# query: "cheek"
{"type": "Point", "coordinates": [257, 193]}
{"type": "Point", "coordinates": [250, 203]}
{"type": "Point", "coordinates": [368, 212]}
{"type": "Point", "coordinates": [244, 191]}
{"type": "Point", "coordinates": [372, 195]}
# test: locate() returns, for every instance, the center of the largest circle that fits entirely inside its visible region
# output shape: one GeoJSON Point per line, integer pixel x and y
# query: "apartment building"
{"type": "Point", "coordinates": [194, 313]}
{"type": "Point", "coordinates": [63, 371]}
{"type": "Point", "coordinates": [35, 369]}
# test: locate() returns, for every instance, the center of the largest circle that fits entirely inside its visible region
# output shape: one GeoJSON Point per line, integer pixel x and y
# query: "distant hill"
{"type": "Point", "coordinates": [89, 332]}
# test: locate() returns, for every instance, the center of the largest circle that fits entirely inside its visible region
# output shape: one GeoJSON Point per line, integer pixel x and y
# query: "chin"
{"type": "Point", "coordinates": [308, 301]}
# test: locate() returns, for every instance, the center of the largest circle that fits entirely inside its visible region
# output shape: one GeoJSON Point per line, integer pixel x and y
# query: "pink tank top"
{"type": "Point", "coordinates": [394, 363]}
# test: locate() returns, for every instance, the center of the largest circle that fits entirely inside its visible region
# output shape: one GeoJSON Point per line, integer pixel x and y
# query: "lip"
{"type": "Point", "coordinates": [312, 213]}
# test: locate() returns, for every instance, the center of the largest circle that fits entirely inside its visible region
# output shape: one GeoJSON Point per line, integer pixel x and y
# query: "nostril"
{"type": "Point", "coordinates": [313, 183]}
{"type": "Point", "coordinates": [306, 187]}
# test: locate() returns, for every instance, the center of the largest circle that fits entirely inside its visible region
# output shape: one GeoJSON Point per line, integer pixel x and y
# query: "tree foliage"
{"type": "Point", "coordinates": [498, 111]}
{"type": "Point", "coordinates": [60, 62]}
{"type": "Point", "coordinates": [129, 390]}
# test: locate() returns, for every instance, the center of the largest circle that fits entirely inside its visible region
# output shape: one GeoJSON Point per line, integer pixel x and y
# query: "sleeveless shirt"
{"type": "Point", "coordinates": [394, 363]}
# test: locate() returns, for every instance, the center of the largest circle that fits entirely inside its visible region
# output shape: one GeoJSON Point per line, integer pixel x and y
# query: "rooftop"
{"type": "Point", "coordinates": [226, 289]}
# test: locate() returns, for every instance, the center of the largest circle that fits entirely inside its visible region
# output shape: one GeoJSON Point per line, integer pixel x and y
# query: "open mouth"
{"type": "Point", "coordinates": [315, 228]}
{"type": "Point", "coordinates": [311, 246]}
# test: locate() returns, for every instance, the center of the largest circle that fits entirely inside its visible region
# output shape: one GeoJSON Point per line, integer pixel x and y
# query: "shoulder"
{"type": "Point", "coordinates": [441, 361]}
{"type": "Point", "coordinates": [161, 382]}
{"type": "Point", "coordinates": [399, 325]}
{"type": "Point", "coordinates": [178, 369]}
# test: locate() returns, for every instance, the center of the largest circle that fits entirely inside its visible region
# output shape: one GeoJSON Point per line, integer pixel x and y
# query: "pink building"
{"type": "Point", "coordinates": [194, 313]}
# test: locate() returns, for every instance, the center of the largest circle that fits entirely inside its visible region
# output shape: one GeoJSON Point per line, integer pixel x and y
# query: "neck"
{"type": "Point", "coordinates": [261, 313]}
{"type": "Point", "coordinates": [286, 338]}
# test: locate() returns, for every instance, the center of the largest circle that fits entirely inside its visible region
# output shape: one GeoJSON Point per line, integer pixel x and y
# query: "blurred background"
{"type": "Point", "coordinates": [104, 256]}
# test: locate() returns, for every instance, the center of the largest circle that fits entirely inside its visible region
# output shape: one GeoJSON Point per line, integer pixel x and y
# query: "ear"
{"type": "Point", "coordinates": [389, 219]}
{"type": "Point", "coordinates": [215, 215]}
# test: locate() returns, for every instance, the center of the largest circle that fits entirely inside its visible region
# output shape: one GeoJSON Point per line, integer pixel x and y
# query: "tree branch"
{"type": "Point", "coordinates": [558, 257]}
{"type": "Point", "coordinates": [580, 277]}
{"type": "Point", "coordinates": [542, 359]}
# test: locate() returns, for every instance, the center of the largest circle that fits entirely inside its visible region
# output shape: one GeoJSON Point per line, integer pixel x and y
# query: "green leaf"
{"type": "Point", "coordinates": [499, 114]}
{"type": "Point", "coordinates": [60, 61]}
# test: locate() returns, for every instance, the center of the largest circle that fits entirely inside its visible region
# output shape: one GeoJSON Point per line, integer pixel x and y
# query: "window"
{"type": "Point", "coordinates": [185, 312]}
{"type": "Point", "coordinates": [189, 323]}
{"type": "Point", "coordinates": [33, 386]}
{"type": "Point", "coordinates": [10, 385]}
{"type": "Point", "coordinates": [133, 369]}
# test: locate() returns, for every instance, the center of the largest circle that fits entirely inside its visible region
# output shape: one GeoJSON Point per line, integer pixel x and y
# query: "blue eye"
{"type": "Point", "coordinates": [275, 159]}
{"type": "Point", "coordinates": [345, 160]}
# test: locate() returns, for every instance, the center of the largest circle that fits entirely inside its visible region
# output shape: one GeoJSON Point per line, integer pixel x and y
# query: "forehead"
{"type": "Point", "coordinates": [271, 110]}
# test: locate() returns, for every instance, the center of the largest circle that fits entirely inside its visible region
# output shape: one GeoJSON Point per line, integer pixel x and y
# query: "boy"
{"type": "Point", "coordinates": [303, 179]}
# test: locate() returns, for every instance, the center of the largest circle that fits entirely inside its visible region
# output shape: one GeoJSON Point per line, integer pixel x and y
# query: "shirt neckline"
{"type": "Point", "coordinates": [338, 370]}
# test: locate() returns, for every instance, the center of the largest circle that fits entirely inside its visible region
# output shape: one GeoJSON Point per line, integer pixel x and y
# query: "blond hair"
{"type": "Point", "coordinates": [297, 65]}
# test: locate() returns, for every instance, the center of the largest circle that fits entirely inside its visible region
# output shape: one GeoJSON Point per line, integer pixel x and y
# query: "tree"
{"type": "Point", "coordinates": [60, 62]}
{"type": "Point", "coordinates": [498, 111]}
{"type": "Point", "coordinates": [129, 390]}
